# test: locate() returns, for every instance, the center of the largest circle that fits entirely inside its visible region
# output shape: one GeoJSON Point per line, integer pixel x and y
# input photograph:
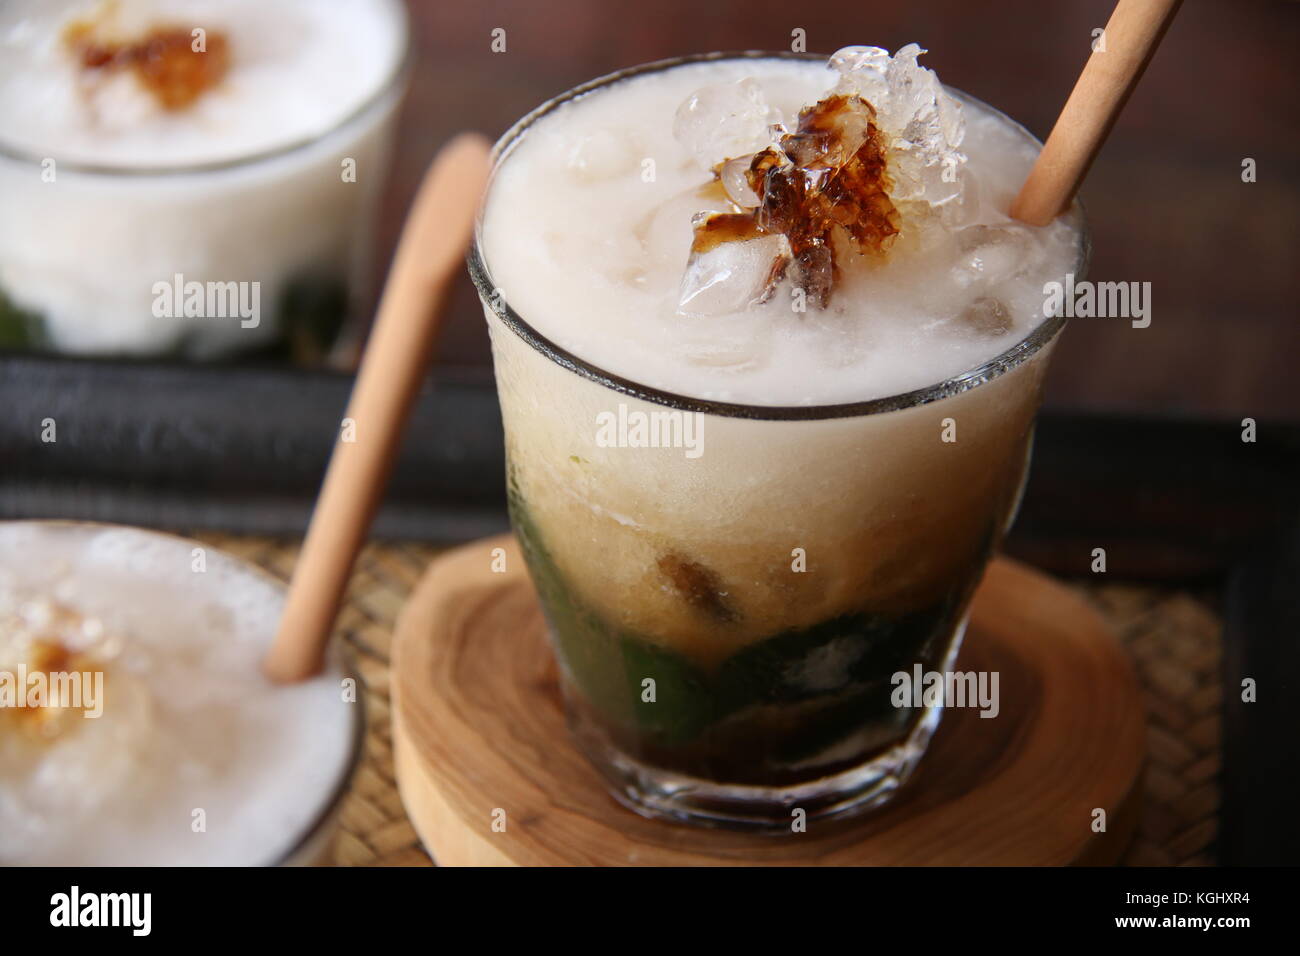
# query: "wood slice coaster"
{"type": "Point", "coordinates": [479, 729]}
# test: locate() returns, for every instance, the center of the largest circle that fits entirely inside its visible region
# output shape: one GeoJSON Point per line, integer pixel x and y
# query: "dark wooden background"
{"type": "Point", "coordinates": [1165, 199]}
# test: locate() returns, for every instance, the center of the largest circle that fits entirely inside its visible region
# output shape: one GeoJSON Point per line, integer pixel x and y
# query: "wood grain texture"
{"type": "Point", "coordinates": [479, 728]}
{"type": "Point", "coordinates": [1172, 635]}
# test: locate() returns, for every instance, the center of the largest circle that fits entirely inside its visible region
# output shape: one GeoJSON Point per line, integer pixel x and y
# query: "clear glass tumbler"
{"type": "Point", "coordinates": [102, 259]}
{"type": "Point", "coordinates": [727, 623]}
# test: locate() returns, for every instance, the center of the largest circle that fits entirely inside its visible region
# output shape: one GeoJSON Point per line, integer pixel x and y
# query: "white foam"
{"type": "Point", "coordinates": [298, 67]}
{"type": "Point", "coordinates": [85, 251]}
{"type": "Point", "coordinates": [189, 722]}
{"type": "Point", "coordinates": [574, 257]}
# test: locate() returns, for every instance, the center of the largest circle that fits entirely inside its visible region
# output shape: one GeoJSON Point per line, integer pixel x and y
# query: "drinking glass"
{"type": "Point", "coordinates": [729, 609]}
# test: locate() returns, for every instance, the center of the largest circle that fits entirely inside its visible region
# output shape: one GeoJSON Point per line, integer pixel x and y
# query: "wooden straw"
{"type": "Point", "coordinates": [396, 358]}
{"type": "Point", "coordinates": [1131, 36]}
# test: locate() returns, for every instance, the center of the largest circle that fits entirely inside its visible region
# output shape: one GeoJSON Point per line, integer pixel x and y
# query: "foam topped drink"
{"type": "Point", "coordinates": [190, 177]}
{"type": "Point", "coordinates": [136, 727]}
{"type": "Point", "coordinates": [769, 350]}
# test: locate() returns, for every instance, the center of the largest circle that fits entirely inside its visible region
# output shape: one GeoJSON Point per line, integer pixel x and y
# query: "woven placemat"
{"type": "Point", "coordinates": [1174, 637]}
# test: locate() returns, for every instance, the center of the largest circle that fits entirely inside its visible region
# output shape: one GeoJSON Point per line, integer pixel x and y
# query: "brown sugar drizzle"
{"type": "Point", "coordinates": [823, 186]}
{"type": "Point", "coordinates": [163, 59]}
{"type": "Point", "coordinates": [44, 721]}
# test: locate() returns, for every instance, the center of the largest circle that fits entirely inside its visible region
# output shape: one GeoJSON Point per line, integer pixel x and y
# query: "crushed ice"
{"type": "Point", "coordinates": [908, 120]}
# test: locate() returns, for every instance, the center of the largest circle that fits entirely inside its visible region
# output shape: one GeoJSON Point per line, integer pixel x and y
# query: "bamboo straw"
{"type": "Point", "coordinates": [1131, 36]}
{"type": "Point", "coordinates": [396, 358]}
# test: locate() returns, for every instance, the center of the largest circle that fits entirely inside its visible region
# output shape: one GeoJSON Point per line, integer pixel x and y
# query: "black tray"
{"type": "Point", "coordinates": [238, 448]}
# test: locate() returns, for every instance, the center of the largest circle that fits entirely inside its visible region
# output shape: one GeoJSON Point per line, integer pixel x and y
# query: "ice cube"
{"type": "Point", "coordinates": [913, 90]}
{"type": "Point", "coordinates": [863, 71]}
{"type": "Point", "coordinates": [666, 233]}
{"type": "Point", "coordinates": [834, 339]}
{"type": "Point", "coordinates": [992, 254]}
{"type": "Point", "coordinates": [965, 209]}
{"type": "Point", "coordinates": [606, 253]}
{"type": "Point", "coordinates": [986, 316]}
{"type": "Point", "coordinates": [731, 276]}
{"type": "Point", "coordinates": [725, 120]}
{"type": "Point", "coordinates": [924, 124]}
{"type": "Point", "coordinates": [735, 182]}
{"type": "Point", "coordinates": [952, 119]}
{"type": "Point", "coordinates": [922, 176]}
{"type": "Point", "coordinates": [601, 155]}
{"type": "Point", "coordinates": [813, 272]}
{"type": "Point", "coordinates": [747, 349]}
{"type": "Point", "coordinates": [835, 137]}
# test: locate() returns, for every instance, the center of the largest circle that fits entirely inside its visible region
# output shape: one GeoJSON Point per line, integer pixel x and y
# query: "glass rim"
{"type": "Point", "coordinates": [325, 817]}
{"type": "Point", "coordinates": [1017, 354]}
{"type": "Point", "coordinates": [391, 83]}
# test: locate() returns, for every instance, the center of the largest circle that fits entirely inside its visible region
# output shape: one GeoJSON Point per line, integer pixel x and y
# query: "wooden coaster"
{"type": "Point", "coordinates": [480, 739]}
